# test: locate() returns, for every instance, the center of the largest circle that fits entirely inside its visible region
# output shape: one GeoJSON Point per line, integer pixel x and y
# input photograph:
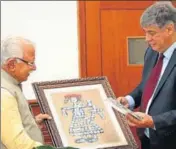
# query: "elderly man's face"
{"type": "Point", "coordinates": [25, 65]}
{"type": "Point", "coordinates": [159, 38]}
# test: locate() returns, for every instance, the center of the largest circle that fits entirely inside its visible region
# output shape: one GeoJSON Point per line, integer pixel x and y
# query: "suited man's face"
{"type": "Point", "coordinates": [159, 38]}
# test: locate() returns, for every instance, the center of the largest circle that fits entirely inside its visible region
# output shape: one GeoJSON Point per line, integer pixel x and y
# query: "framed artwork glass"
{"type": "Point", "coordinates": [81, 115]}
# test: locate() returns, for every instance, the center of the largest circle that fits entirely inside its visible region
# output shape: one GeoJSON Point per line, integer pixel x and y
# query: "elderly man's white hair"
{"type": "Point", "coordinates": [12, 47]}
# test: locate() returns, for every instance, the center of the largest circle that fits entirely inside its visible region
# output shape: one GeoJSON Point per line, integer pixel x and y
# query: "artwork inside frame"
{"type": "Point", "coordinates": [81, 116]}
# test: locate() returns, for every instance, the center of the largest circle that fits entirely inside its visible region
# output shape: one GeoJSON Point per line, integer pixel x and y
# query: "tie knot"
{"type": "Point", "coordinates": [161, 56]}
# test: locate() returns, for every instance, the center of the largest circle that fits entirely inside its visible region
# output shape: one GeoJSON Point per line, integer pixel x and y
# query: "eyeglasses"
{"type": "Point", "coordinates": [28, 63]}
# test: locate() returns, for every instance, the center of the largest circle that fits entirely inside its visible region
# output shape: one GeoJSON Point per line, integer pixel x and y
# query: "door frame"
{"type": "Point", "coordinates": [82, 52]}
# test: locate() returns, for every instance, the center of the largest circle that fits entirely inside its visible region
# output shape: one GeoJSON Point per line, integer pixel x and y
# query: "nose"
{"type": "Point", "coordinates": [34, 67]}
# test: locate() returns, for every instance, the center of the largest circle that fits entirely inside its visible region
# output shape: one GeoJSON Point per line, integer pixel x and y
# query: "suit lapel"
{"type": "Point", "coordinates": [167, 71]}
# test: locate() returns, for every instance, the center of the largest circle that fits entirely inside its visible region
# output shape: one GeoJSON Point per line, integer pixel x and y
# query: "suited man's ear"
{"type": "Point", "coordinates": [170, 29]}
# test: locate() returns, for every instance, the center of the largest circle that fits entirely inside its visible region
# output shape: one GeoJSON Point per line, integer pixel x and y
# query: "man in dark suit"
{"type": "Point", "coordinates": [156, 93]}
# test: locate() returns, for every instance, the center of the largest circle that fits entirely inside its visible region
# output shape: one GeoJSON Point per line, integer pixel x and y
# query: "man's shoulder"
{"type": "Point", "coordinates": [6, 92]}
{"type": "Point", "coordinates": [7, 86]}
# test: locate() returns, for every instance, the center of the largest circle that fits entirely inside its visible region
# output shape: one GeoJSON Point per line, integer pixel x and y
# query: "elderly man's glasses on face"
{"type": "Point", "coordinates": [32, 64]}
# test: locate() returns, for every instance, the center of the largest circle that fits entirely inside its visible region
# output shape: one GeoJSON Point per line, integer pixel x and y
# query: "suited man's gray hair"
{"type": "Point", "coordinates": [160, 14]}
{"type": "Point", "coordinates": [12, 47]}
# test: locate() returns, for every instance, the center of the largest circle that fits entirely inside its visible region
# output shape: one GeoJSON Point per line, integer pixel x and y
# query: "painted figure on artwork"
{"type": "Point", "coordinates": [83, 123]}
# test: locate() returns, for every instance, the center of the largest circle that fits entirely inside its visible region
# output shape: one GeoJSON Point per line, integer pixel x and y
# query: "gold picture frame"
{"type": "Point", "coordinates": [81, 116]}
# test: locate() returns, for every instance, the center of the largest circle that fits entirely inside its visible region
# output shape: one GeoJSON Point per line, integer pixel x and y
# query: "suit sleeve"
{"type": "Point", "coordinates": [137, 94]}
{"type": "Point", "coordinates": [165, 119]}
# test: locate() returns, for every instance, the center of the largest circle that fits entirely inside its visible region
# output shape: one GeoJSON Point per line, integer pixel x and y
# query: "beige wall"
{"type": "Point", "coordinates": [53, 28]}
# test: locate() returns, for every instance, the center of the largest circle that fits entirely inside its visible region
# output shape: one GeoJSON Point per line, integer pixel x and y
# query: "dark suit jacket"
{"type": "Point", "coordinates": [163, 106]}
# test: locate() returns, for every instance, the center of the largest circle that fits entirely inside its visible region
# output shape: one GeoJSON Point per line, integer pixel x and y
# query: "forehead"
{"type": "Point", "coordinates": [151, 28]}
{"type": "Point", "coordinates": [29, 51]}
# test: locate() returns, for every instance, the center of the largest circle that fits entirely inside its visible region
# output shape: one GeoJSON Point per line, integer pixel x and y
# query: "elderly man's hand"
{"type": "Point", "coordinates": [40, 118]}
{"type": "Point", "coordinates": [146, 122]}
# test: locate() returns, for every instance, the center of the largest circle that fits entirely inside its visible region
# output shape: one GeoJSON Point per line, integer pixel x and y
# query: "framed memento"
{"type": "Point", "coordinates": [81, 115]}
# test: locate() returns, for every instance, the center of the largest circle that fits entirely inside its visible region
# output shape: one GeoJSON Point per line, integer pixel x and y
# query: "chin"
{"type": "Point", "coordinates": [25, 79]}
{"type": "Point", "coordinates": [156, 49]}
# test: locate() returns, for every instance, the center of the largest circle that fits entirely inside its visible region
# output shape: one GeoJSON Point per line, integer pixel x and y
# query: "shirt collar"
{"type": "Point", "coordinates": [8, 77]}
{"type": "Point", "coordinates": [168, 53]}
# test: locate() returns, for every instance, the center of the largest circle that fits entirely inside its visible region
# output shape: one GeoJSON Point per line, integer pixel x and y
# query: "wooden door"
{"type": "Point", "coordinates": [105, 27]}
{"type": "Point", "coordinates": [123, 76]}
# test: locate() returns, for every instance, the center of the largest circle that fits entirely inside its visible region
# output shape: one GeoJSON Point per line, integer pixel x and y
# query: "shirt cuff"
{"type": "Point", "coordinates": [130, 101]}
